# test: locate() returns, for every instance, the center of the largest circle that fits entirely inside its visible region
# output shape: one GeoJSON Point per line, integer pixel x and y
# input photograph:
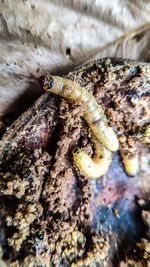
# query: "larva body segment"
{"type": "Point", "coordinates": [93, 114]}
{"type": "Point", "coordinates": [106, 136]}
{"type": "Point", "coordinates": [93, 167]}
{"type": "Point", "coordinates": [131, 165]}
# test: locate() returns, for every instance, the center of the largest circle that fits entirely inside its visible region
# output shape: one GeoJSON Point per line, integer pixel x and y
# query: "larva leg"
{"type": "Point", "coordinates": [131, 165]}
{"type": "Point", "coordinates": [96, 166]}
{"type": "Point", "coordinates": [93, 115]}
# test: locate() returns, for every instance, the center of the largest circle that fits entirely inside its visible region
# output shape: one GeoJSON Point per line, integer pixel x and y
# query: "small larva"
{"type": "Point", "coordinates": [93, 114]}
{"type": "Point", "coordinates": [98, 165]}
{"type": "Point", "coordinates": [131, 165]}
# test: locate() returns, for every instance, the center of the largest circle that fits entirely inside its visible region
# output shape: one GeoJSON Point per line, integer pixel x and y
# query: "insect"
{"type": "Point", "coordinates": [93, 113]}
{"type": "Point", "coordinates": [97, 121]}
{"type": "Point", "coordinates": [98, 165]}
{"type": "Point", "coordinates": [131, 165]}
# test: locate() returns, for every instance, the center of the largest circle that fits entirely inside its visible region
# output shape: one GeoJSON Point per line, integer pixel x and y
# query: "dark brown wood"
{"type": "Point", "coordinates": [46, 201]}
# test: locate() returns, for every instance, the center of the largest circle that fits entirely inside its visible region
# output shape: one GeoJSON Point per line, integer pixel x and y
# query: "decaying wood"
{"type": "Point", "coordinates": [52, 213]}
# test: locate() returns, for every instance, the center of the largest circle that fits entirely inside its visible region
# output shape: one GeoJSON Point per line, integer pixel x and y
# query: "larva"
{"type": "Point", "coordinates": [131, 165]}
{"type": "Point", "coordinates": [98, 165]}
{"type": "Point", "coordinates": [146, 137]}
{"type": "Point", "coordinates": [93, 114]}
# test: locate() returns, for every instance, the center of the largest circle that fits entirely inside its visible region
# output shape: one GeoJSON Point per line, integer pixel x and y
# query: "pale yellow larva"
{"type": "Point", "coordinates": [93, 167]}
{"type": "Point", "coordinates": [131, 165]}
{"type": "Point", "coordinates": [93, 114]}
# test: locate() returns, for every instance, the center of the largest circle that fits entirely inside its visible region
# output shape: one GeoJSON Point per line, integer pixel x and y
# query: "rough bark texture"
{"type": "Point", "coordinates": [50, 212]}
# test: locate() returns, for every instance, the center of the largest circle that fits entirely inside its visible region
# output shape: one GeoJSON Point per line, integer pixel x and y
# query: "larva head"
{"type": "Point", "coordinates": [46, 82]}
